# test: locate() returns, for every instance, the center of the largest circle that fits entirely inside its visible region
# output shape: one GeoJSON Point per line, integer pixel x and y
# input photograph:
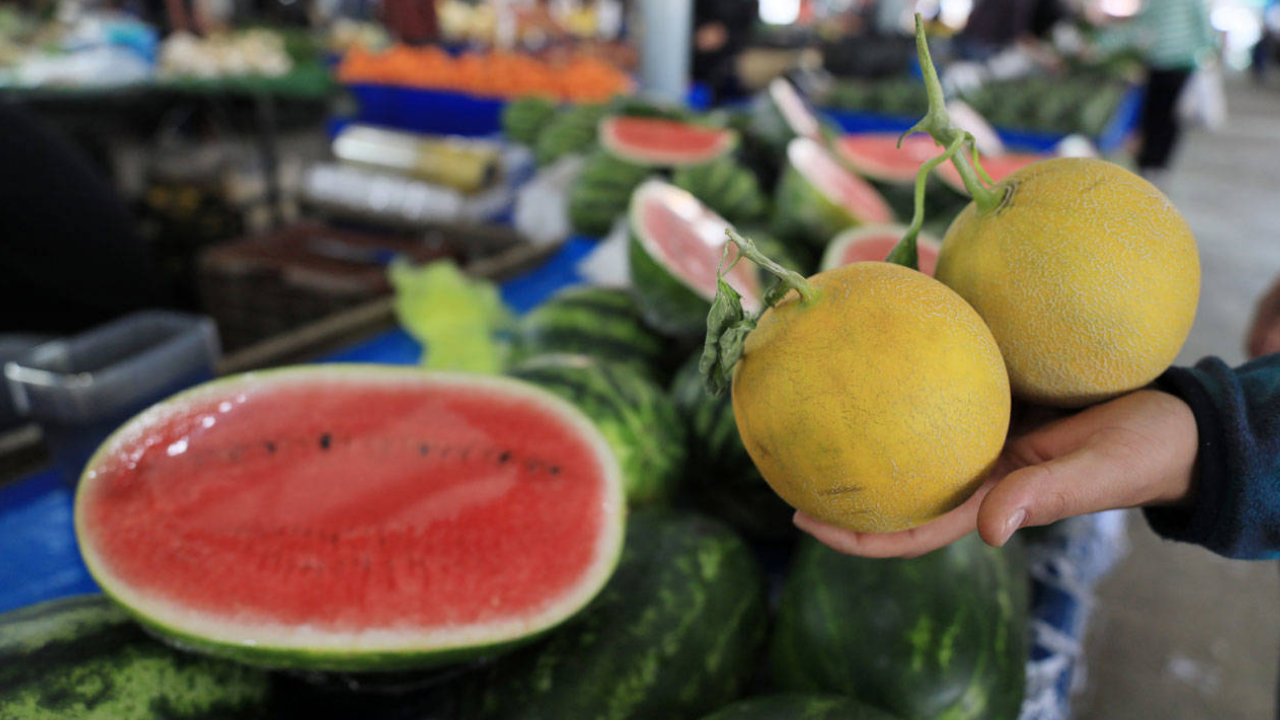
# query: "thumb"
{"type": "Point", "coordinates": [1081, 482]}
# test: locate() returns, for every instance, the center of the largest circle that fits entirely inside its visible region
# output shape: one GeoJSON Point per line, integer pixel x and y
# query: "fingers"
{"type": "Point", "coordinates": [905, 543]}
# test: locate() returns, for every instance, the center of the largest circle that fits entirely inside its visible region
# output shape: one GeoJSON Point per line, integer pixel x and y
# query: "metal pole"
{"type": "Point", "coordinates": [665, 48]}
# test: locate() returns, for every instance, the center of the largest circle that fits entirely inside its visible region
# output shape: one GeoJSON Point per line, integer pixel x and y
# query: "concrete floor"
{"type": "Point", "coordinates": [1177, 632]}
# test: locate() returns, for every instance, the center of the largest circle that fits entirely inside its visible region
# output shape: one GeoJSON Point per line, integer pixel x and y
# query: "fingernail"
{"type": "Point", "coordinates": [1014, 522]}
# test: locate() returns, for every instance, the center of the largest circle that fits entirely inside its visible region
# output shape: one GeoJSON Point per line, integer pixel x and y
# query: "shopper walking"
{"type": "Point", "coordinates": [1174, 38]}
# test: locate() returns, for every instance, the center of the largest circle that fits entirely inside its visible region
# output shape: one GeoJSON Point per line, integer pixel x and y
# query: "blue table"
{"type": "Point", "coordinates": [39, 559]}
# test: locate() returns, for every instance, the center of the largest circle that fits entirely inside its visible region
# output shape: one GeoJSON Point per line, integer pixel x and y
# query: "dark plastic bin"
{"type": "Point", "coordinates": [80, 389]}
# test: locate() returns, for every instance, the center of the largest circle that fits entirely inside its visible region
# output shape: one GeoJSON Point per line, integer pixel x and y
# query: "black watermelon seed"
{"type": "Point", "coordinates": [325, 441]}
{"type": "Point", "coordinates": [505, 456]}
{"type": "Point", "coordinates": [271, 447]}
{"type": "Point", "coordinates": [423, 449]}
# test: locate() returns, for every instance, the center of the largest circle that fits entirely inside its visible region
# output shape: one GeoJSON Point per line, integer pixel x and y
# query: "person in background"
{"type": "Point", "coordinates": [1174, 38]}
{"type": "Point", "coordinates": [997, 25]}
{"type": "Point", "coordinates": [1264, 51]}
{"type": "Point", "coordinates": [720, 31]}
{"type": "Point", "coordinates": [69, 255]}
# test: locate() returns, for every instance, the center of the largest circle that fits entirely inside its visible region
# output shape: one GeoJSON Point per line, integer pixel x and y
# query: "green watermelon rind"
{"type": "Point", "coordinates": [674, 635]}
{"type": "Point", "coordinates": [799, 706]}
{"type": "Point", "coordinates": [75, 655]}
{"type": "Point", "coordinates": [726, 187]}
{"type": "Point", "coordinates": [942, 636]}
{"type": "Point", "coordinates": [602, 193]}
{"type": "Point", "coordinates": [605, 323]}
{"type": "Point", "coordinates": [253, 650]}
{"type": "Point", "coordinates": [668, 304]}
{"type": "Point", "coordinates": [610, 145]}
{"type": "Point", "coordinates": [524, 118]}
{"type": "Point", "coordinates": [632, 412]}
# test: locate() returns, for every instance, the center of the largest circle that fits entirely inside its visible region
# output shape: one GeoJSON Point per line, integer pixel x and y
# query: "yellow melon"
{"type": "Point", "coordinates": [1086, 274]}
{"type": "Point", "coordinates": [877, 406]}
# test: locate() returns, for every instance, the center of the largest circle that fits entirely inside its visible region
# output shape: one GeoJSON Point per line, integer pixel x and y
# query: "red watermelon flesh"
{"type": "Point", "coordinates": [878, 157]}
{"type": "Point", "coordinates": [353, 509]}
{"type": "Point", "coordinates": [690, 241]}
{"type": "Point", "coordinates": [659, 141]}
{"type": "Point", "coordinates": [837, 184]}
{"type": "Point", "coordinates": [874, 243]}
{"type": "Point", "coordinates": [998, 167]}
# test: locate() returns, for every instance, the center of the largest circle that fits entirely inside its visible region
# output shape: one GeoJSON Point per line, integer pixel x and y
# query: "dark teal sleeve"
{"type": "Point", "coordinates": [1235, 504]}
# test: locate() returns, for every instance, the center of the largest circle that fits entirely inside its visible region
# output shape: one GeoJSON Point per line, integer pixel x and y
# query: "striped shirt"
{"type": "Point", "coordinates": [1170, 34]}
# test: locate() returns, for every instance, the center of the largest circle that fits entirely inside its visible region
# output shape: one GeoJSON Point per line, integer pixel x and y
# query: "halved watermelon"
{"type": "Point", "coordinates": [660, 141]}
{"type": "Point", "coordinates": [677, 244]}
{"type": "Point", "coordinates": [817, 197]}
{"type": "Point", "coordinates": [998, 167]}
{"type": "Point", "coordinates": [353, 517]}
{"type": "Point", "coordinates": [796, 114]}
{"type": "Point", "coordinates": [874, 242]}
{"type": "Point", "coordinates": [876, 156]}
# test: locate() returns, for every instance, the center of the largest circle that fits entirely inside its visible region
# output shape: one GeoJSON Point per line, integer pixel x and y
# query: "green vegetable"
{"type": "Point", "coordinates": [457, 319]}
{"type": "Point", "coordinates": [524, 118]}
{"type": "Point", "coordinates": [726, 187]}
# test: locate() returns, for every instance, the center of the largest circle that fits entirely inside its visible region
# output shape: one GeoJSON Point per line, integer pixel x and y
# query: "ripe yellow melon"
{"type": "Point", "coordinates": [878, 406]}
{"type": "Point", "coordinates": [1086, 274]}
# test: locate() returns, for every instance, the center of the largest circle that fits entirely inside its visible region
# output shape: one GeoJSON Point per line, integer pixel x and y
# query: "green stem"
{"type": "Point", "coordinates": [904, 253]}
{"type": "Point", "coordinates": [791, 279]}
{"type": "Point", "coordinates": [937, 123]}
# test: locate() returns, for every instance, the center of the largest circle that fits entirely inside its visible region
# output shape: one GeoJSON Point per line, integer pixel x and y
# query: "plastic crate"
{"type": "Point", "coordinates": [434, 112]}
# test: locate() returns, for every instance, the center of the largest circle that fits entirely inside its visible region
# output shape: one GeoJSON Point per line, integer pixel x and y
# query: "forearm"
{"type": "Point", "coordinates": [1234, 509]}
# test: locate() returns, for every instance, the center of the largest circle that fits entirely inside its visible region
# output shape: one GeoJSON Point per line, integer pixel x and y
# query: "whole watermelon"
{"type": "Point", "coordinates": [605, 323]}
{"type": "Point", "coordinates": [524, 118]}
{"type": "Point", "coordinates": [940, 636]}
{"type": "Point", "coordinates": [673, 636]}
{"type": "Point", "coordinates": [633, 413]}
{"type": "Point", "coordinates": [572, 130]}
{"type": "Point", "coordinates": [723, 481]}
{"type": "Point", "coordinates": [725, 186]}
{"type": "Point", "coordinates": [83, 657]}
{"type": "Point", "coordinates": [799, 707]}
{"type": "Point", "coordinates": [602, 192]}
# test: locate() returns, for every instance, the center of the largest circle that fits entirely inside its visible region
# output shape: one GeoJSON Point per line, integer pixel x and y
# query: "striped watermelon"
{"type": "Point", "coordinates": [873, 242]}
{"type": "Point", "coordinates": [673, 636]}
{"type": "Point", "coordinates": [722, 479]}
{"type": "Point", "coordinates": [817, 197]}
{"type": "Point", "coordinates": [677, 244]}
{"type": "Point", "coordinates": [301, 518]}
{"type": "Point", "coordinates": [605, 323]}
{"type": "Point", "coordinates": [940, 636]}
{"type": "Point", "coordinates": [799, 707]}
{"type": "Point", "coordinates": [631, 411]}
{"type": "Point", "coordinates": [83, 657]}
{"type": "Point", "coordinates": [572, 130]}
{"type": "Point", "coordinates": [601, 193]}
{"type": "Point", "coordinates": [524, 118]}
{"type": "Point", "coordinates": [726, 187]}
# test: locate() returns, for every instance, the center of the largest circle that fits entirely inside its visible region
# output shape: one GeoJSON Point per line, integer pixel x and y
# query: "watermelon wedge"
{"type": "Point", "coordinates": [817, 197]}
{"type": "Point", "coordinates": [874, 242]}
{"type": "Point", "coordinates": [677, 244]}
{"type": "Point", "coordinates": [998, 167]}
{"type": "Point", "coordinates": [798, 117]}
{"type": "Point", "coordinates": [663, 142]}
{"type": "Point", "coordinates": [353, 517]}
{"type": "Point", "coordinates": [876, 156]}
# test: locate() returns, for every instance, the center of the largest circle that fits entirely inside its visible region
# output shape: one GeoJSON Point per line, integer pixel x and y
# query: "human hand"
{"type": "Point", "coordinates": [1264, 332]}
{"type": "Point", "coordinates": [1139, 449]}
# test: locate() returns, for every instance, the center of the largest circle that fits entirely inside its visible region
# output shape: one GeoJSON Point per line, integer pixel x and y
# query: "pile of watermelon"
{"type": "Point", "coordinates": [583, 536]}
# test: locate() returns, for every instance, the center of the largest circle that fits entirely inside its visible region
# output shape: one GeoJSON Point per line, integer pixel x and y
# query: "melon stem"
{"type": "Point", "coordinates": [789, 278]}
{"type": "Point", "coordinates": [937, 123]}
{"type": "Point", "coordinates": [905, 252]}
